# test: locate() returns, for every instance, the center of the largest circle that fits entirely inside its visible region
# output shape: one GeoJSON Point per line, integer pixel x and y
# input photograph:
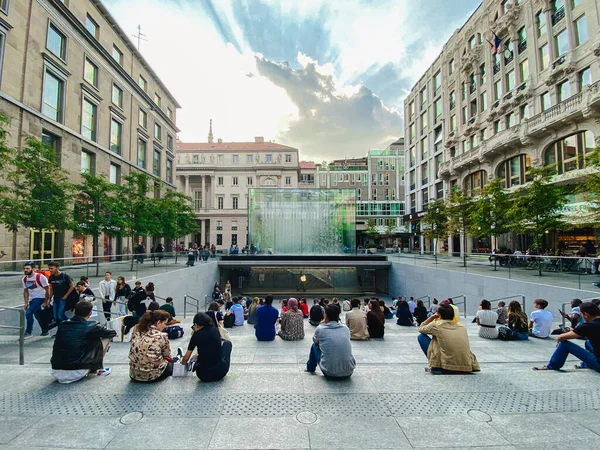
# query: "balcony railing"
{"type": "Point", "coordinates": [508, 59]}
{"type": "Point", "coordinates": [558, 62]}
{"type": "Point", "coordinates": [496, 68]}
{"type": "Point", "coordinates": [558, 15]}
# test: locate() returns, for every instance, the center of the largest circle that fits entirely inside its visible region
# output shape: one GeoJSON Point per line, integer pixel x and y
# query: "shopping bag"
{"type": "Point", "coordinates": [46, 320]}
{"type": "Point", "coordinates": [180, 370]}
{"type": "Point", "coordinates": [115, 324]}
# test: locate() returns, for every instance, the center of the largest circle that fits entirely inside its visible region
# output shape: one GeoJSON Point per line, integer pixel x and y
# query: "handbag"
{"type": "Point", "coordinates": [222, 331]}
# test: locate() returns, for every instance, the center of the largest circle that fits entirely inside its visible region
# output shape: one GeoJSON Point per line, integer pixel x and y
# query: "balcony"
{"type": "Point", "coordinates": [501, 141]}
{"type": "Point", "coordinates": [558, 114]}
{"type": "Point", "coordinates": [560, 68]}
{"type": "Point", "coordinates": [444, 169]}
{"type": "Point", "coordinates": [470, 59]}
{"type": "Point", "coordinates": [558, 15]}
{"type": "Point", "coordinates": [507, 21]}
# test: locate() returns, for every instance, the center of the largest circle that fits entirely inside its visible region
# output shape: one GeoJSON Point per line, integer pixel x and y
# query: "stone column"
{"type": "Point", "coordinates": [203, 197]}
{"type": "Point", "coordinates": [450, 245]}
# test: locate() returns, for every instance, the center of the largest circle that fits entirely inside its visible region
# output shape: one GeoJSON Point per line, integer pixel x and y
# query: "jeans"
{"type": "Point", "coordinates": [122, 306]}
{"type": "Point", "coordinates": [424, 341]}
{"type": "Point", "coordinates": [106, 305]}
{"type": "Point", "coordinates": [563, 349]}
{"type": "Point", "coordinates": [219, 371]}
{"type": "Point", "coordinates": [313, 360]}
{"type": "Point", "coordinates": [59, 310]}
{"type": "Point", "coordinates": [35, 305]}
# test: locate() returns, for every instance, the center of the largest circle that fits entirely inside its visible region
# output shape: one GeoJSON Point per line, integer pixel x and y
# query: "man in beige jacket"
{"type": "Point", "coordinates": [356, 320]}
{"type": "Point", "coordinates": [448, 349]}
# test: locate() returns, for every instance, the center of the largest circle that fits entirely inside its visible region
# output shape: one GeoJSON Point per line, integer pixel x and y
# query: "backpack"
{"type": "Point", "coordinates": [316, 313]}
{"type": "Point", "coordinates": [174, 331]}
{"type": "Point", "coordinates": [38, 277]}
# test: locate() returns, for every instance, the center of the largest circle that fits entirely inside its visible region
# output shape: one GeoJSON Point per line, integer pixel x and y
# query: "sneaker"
{"type": "Point", "coordinates": [175, 360]}
{"type": "Point", "coordinates": [180, 352]}
{"type": "Point", "coordinates": [45, 333]}
{"type": "Point", "coordinates": [103, 372]}
{"type": "Point", "coordinates": [27, 335]}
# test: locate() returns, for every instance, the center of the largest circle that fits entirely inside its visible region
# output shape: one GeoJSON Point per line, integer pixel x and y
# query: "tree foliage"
{"type": "Point", "coordinates": [491, 211]}
{"type": "Point", "coordinates": [435, 220]}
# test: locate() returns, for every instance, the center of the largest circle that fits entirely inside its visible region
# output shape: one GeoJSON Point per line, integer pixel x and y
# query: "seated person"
{"type": "Point", "coordinates": [420, 312]}
{"type": "Point", "coordinates": [486, 319]}
{"type": "Point", "coordinates": [79, 346]}
{"type": "Point", "coordinates": [405, 318]}
{"type": "Point", "coordinates": [331, 349]}
{"type": "Point", "coordinates": [433, 308]}
{"type": "Point", "coordinates": [375, 320]}
{"type": "Point", "coordinates": [150, 352]}
{"type": "Point", "coordinates": [356, 321]}
{"type": "Point", "coordinates": [575, 317]}
{"type": "Point", "coordinates": [590, 330]}
{"type": "Point", "coordinates": [214, 312]}
{"type": "Point", "coordinates": [238, 311]}
{"type": "Point", "coordinates": [502, 313]}
{"type": "Point", "coordinates": [517, 329]}
{"type": "Point", "coordinates": [266, 316]}
{"type": "Point", "coordinates": [387, 313]}
{"type": "Point", "coordinates": [252, 310]}
{"type": "Point", "coordinates": [136, 303]}
{"type": "Point", "coordinates": [304, 308]}
{"type": "Point", "coordinates": [213, 355]}
{"type": "Point", "coordinates": [455, 308]}
{"type": "Point", "coordinates": [316, 314]}
{"type": "Point", "coordinates": [292, 322]}
{"type": "Point", "coordinates": [168, 307]}
{"type": "Point", "coordinates": [540, 320]}
{"type": "Point", "coordinates": [448, 350]}
{"type": "Point", "coordinates": [153, 306]}
{"type": "Point", "coordinates": [284, 305]}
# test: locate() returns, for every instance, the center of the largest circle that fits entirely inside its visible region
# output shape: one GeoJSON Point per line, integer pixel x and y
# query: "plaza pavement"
{"type": "Point", "coordinates": [267, 401]}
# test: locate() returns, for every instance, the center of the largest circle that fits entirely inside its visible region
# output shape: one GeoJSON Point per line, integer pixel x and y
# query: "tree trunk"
{"type": "Point", "coordinates": [132, 253]}
{"type": "Point", "coordinates": [95, 252]}
{"type": "Point", "coordinates": [464, 248]}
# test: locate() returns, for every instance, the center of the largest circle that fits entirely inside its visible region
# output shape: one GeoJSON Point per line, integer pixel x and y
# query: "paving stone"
{"type": "Point", "coordinates": [357, 433]}
{"type": "Point", "coordinates": [275, 433]}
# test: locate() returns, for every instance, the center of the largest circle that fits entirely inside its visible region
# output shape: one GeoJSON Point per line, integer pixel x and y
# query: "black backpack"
{"type": "Point", "coordinates": [316, 313]}
{"type": "Point", "coordinates": [174, 331]}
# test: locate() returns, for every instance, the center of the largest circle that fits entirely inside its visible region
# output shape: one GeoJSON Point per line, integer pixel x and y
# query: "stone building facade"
{"type": "Point", "coordinates": [71, 77]}
{"type": "Point", "coordinates": [217, 176]}
{"type": "Point", "coordinates": [515, 87]}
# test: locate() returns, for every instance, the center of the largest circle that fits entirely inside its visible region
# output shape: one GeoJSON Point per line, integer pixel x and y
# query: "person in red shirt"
{"type": "Point", "coordinates": [304, 307]}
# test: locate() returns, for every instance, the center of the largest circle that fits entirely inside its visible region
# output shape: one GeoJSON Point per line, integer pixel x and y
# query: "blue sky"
{"type": "Point", "coordinates": [327, 77]}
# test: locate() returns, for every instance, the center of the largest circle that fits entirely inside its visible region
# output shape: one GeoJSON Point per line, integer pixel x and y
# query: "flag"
{"type": "Point", "coordinates": [497, 42]}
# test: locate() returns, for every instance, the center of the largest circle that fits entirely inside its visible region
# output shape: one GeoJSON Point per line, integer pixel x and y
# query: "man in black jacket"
{"type": "Point", "coordinates": [80, 346]}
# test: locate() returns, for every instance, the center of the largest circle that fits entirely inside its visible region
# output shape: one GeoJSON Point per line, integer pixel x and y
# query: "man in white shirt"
{"type": "Point", "coordinates": [540, 325]}
{"type": "Point", "coordinates": [35, 292]}
{"type": "Point", "coordinates": [108, 289]}
{"type": "Point", "coordinates": [412, 305]}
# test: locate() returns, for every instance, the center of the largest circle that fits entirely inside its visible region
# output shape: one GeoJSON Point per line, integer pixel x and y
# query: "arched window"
{"type": "Point", "coordinates": [474, 182]}
{"type": "Point", "coordinates": [569, 153]}
{"type": "Point", "coordinates": [514, 171]}
{"type": "Point", "coordinates": [269, 182]}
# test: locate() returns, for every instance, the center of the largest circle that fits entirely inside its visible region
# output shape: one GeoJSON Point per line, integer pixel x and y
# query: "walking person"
{"type": "Point", "coordinates": [108, 292]}
{"type": "Point", "coordinates": [35, 295]}
{"type": "Point", "coordinates": [123, 291]}
{"type": "Point", "coordinates": [61, 288]}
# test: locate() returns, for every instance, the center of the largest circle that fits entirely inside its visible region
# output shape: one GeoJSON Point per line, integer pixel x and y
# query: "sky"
{"type": "Point", "coordinates": [326, 77]}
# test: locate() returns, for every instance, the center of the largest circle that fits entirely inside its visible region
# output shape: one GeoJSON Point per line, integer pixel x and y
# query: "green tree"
{"type": "Point", "coordinates": [371, 229]}
{"type": "Point", "coordinates": [537, 208]}
{"type": "Point", "coordinates": [435, 223]}
{"type": "Point", "coordinates": [590, 189]}
{"type": "Point", "coordinates": [491, 215]}
{"type": "Point", "coordinates": [178, 216]}
{"type": "Point", "coordinates": [94, 210]}
{"type": "Point", "coordinates": [41, 198]}
{"type": "Point", "coordinates": [6, 158]}
{"type": "Point", "coordinates": [460, 217]}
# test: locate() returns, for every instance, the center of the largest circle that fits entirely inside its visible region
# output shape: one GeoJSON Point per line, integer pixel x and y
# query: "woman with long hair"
{"type": "Point", "coordinates": [420, 312]}
{"type": "Point", "coordinates": [150, 352]}
{"type": "Point", "coordinates": [518, 326]}
{"type": "Point", "coordinates": [214, 312]}
{"type": "Point", "coordinates": [123, 292]}
{"type": "Point", "coordinates": [252, 310]}
{"type": "Point", "coordinates": [405, 318]}
{"type": "Point", "coordinates": [292, 322]}
{"type": "Point", "coordinates": [375, 320]}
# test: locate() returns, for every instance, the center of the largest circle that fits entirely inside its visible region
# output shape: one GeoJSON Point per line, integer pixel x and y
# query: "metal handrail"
{"type": "Point", "coordinates": [428, 300]}
{"type": "Point", "coordinates": [21, 329]}
{"type": "Point", "coordinates": [512, 297]}
{"type": "Point", "coordinates": [185, 303]}
{"type": "Point", "coordinates": [562, 307]}
{"type": "Point", "coordinates": [464, 303]}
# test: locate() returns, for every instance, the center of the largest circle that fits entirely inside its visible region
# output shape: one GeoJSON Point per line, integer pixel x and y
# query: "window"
{"type": "Point", "coordinates": [524, 70]}
{"type": "Point", "coordinates": [142, 83]}
{"type": "Point", "coordinates": [235, 159]}
{"type": "Point", "coordinates": [90, 73]}
{"type": "Point", "coordinates": [464, 147]}
{"type": "Point", "coordinates": [424, 173]}
{"type": "Point", "coordinates": [157, 132]}
{"type": "Point", "coordinates": [250, 159]}
{"type": "Point", "coordinates": [497, 127]}
{"type": "Point", "coordinates": [464, 115]}
{"type": "Point", "coordinates": [524, 111]}
{"type": "Point", "coordinates": [143, 118]}
{"type": "Point", "coordinates": [169, 170]}
{"type": "Point", "coordinates": [510, 81]}
{"type": "Point", "coordinates": [474, 142]}
{"type": "Point", "coordinates": [424, 149]}
{"type": "Point", "coordinates": [51, 140]}
{"type": "Point", "coordinates": [411, 109]}
{"type": "Point", "coordinates": [269, 158]}
{"type": "Point", "coordinates": [169, 142]}
{"type": "Point", "coordinates": [483, 135]}
{"type": "Point", "coordinates": [412, 157]}
{"type": "Point", "coordinates": [558, 13]}
{"type": "Point", "coordinates": [198, 206]}
{"type": "Point", "coordinates": [234, 202]}
{"type": "Point", "coordinates": [564, 91]}
{"type": "Point", "coordinates": [117, 96]}
{"type": "Point", "coordinates": [170, 113]}
{"type": "Point", "coordinates": [464, 90]}
{"type": "Point", "coordinates": [87, 162]}
{"type": "Point", "coordinates": [141, 154]}
{"type": "Point", "coordinates": [451, 66]}
{"type": "Point", "coordinates": [453, 123]}
{"type": "Point", "coordinates": [92, 26]}
{"type": "Point", "coordinates": [483, 101]}
{"type": "Point", "coordinates": [412, 180]}
{"type": "Point", "coordinates": [496, 61]}
{"type": "Point", "coordinates": [471, 42]}
{"type": "Point", "coordinates": [437, 82]}
{"type": "Point", "coordinates": [482, 74]}
{"type": "Point", "coordinates": [358, 194]}
{"type": "Point", "coordinates": [114, 173]}
{"type": "Point", "coordinates": [545, 101]}
{"type": "Point", "coordinates": [521, 37]}
{"type": "Point", "coordinates": [220, 238]}
{"type": "Point", "coordinates": [117, 55]}
{"type": "Point", "coordinates": [53, 96]}
{"type": "Point", "coordinates": [374, 194]}
{"type": "Point", "coordinates": [497, 90]}
{"type": "Point", "coordinates": [439, 190]}
{"type": "Point", "coordinates": [575, 3]}
{"type": "Point", "coordinates": [423, 97]}
{"type": "Point", "coordinates": [439, 159]}
{"type": "Point", "coordinates": [585, 77]}
{"type": "Point", "coordinates": [115, 136]}
{"type": "Point", "coordinates": [437, 109]}
{"type": "Point", "coordinates": [424, 123]}
{"type": "Point", "coordinates": [220, 181]}
{"type": "Point", "coordinates": [562, 43]}
{"type": "Point", "coordinates": [474, 182]}
{"type": "Point", "coordinates": [452, 99]}
{"type": "Point", "coordinates": [288, 181]}
{"type": "Point", "coordinates": [412, 132]}
{"type": "Point", "coordinates": [581, 31]}
{"type": "Point", "coordinates": [570, 153]}
{"type": "Point", "coordinates": [89, 119]}
{"type": "Point", "coordinates": [544, 57]}
{"type": "Point", "coordinates": [56, 42]}
{"type": "Point", "coordinates": [509, 53]}
{"type": "Point", "coordinates": [250, 181]}
{"type": "Point", "coordinates": [234, 181]}
{"type": "Point", "coordinates": [220, 201]}
{"type": "Point", "coordinates": [288, 158]}
{"type": "Point", "coordinates": [4, 5]}
{"type": "Point", "coordinates": [511, 120]}
{"type": "Point", "coordinates": [156, 163]}
{"type": "Point", "coordinates": [541, 23]}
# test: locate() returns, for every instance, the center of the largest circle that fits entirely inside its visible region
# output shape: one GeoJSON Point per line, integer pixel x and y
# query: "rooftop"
{"type": "Point", "coordinates": [231, 146]}
{"type": "Point", "coordinates": [307, 165]}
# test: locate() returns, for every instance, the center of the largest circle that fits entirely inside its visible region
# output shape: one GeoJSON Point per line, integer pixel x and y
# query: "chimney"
{"type": "Point", "coordinates": [220, 141]}
{"type": "Point", "coordinates": [259, 139]}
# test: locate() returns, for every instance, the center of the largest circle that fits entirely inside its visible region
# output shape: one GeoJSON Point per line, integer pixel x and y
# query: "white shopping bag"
{"type": "Point", "coordinates": [180, 370]}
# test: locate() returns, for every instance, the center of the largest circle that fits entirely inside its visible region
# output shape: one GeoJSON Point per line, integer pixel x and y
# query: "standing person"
{"type": "Point", "coordinates": [266, 316]}
{"type": "Point", "coordinates": [85, 293]}
{"type": "Point", "coordinates": [213, 356]}
{"type": "Point", "coordinates": [540, 320]}
{"type": "Point", "coordinates": [108, 292]}
{"type": "Point", "coordinates": [150, 352]}
{"type": "Point", "coordinates": [35, 295]}
{"type": "Point", "coordinates": [140, 250]}
{"type": "Point", "coordinates": [159, 250]}
{"type": "Point", "coordinates": [122, 293]}
{"type": "Point", "coordinates": [136, 302]}
{"type": "Point", "coordinates": [412, 305]}
{"type": "Point", "coordinates": [420, 312]}
{"type": "Point", "coordinates": [487, 319]}
{"type": "Point", "coordinates": [590, 330]}
{"type": "Point", "coordinates": [447, 350]}
{"type": "Point", "coordinates": [356, 321]}
{"type": "Point", "coordinates": [80, 346]}
{"type": "Point", "coordinates": [331, 349]}
{"type": "Point", "coordinates": [292, 322]}
{"type": "Point", "coordinates": [61, 288]}
{"type": "Point", "coordinates": [375, 320]}
{"type": "Point", "coordinates": [228, 287]}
